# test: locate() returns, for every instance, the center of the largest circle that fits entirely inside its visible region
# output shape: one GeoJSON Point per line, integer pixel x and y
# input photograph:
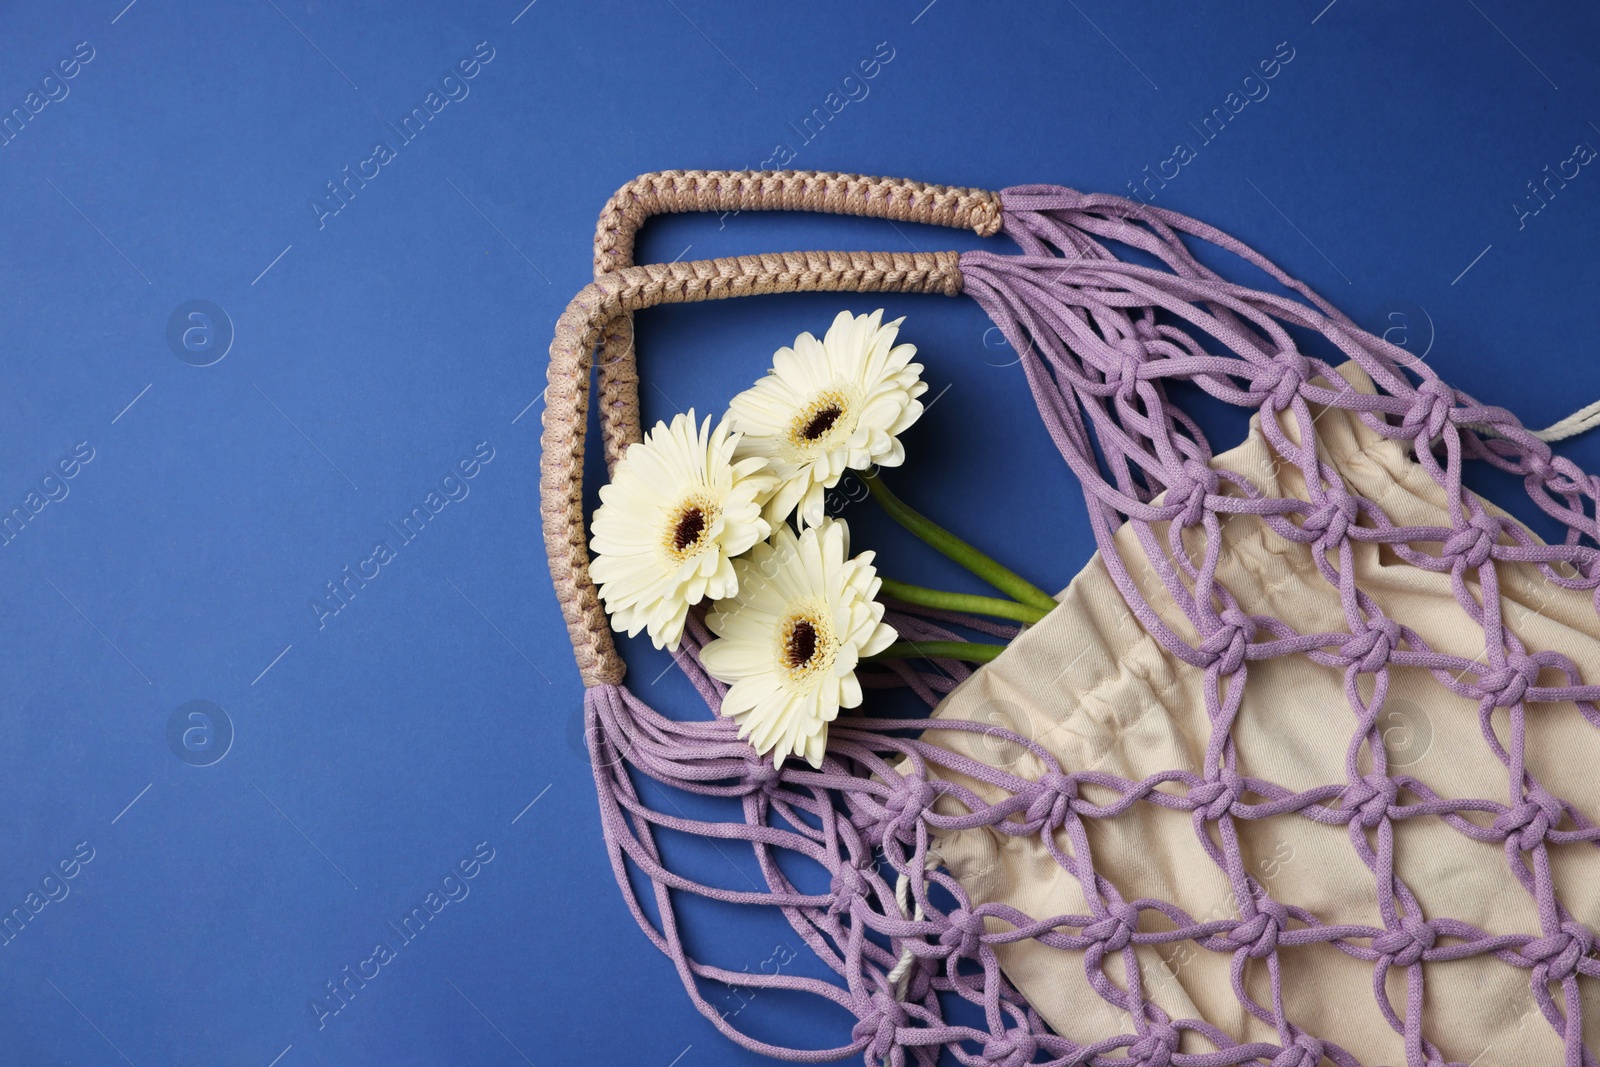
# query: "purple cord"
{"type": "Point", "coordinates": [1096, 355]}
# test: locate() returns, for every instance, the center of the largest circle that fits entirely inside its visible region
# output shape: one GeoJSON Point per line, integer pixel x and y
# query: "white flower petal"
{"type": "Point", "coordinates": [826, 407]}
{"type": "Point", "coordinates": [675, 513]}
{"type": "Point", "coordinates": [789, 641]}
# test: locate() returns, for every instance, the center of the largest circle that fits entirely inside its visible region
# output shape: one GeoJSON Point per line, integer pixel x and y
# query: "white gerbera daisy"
{"type": "Point", "coordinates": [829, 405]}
{"type": "Point", "coordinates": [789, 641]}
{"type": "Point", "coordinates": [677, 510]}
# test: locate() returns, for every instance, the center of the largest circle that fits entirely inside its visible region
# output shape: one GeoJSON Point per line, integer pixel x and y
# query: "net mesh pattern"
{"type": "Point", "coordinates": [1100, 339]}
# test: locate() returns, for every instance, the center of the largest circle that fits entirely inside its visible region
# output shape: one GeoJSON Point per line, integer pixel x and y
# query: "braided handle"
{"type": "Point", "coordinates": [672, 191]}
{"type": "Point", "coordinates": [675, 191]}
{"type": "Point", "coordinates": [614, 296]}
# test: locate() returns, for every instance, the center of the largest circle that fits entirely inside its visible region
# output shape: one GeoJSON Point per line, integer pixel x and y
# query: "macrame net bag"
{"type": "Point", "coordinates": [1256, 603]}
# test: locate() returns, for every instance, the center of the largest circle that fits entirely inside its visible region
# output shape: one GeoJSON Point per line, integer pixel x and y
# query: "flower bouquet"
{"type": "Point", "coordinates": [733, 516]}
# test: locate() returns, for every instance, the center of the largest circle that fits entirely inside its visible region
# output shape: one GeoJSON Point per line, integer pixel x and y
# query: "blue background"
{"type": "Point", "coordinates": [375, 348]}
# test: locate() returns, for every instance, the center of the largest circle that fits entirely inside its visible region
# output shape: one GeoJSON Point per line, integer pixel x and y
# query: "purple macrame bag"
{"type": "Point", "coordinates": [1099, 339]}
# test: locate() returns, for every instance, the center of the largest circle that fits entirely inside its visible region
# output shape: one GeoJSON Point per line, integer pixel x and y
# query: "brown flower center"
{"type": "Point", "coordinates": [828, 414]}
{"type": "Point", "coordinates": [691, 524]}
{"type": "Point", "coordinates": [806, 642]}
{"type": "Point", "coordinates": [821, 422]}
{"type": "Point", "coordinates": [802, 644]}
{"type": "Point", "coordinates": [688, 527]}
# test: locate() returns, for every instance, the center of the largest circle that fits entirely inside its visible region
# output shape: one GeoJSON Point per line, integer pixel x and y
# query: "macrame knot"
{"type": "Point", "coordinates": [1332, 520]}
{"type": "Point", "coordinates": [1281, 381]}
{"type": "Point", "coordinates": [1430, 410]}
{"type": "Point", "coordinates": [903, 807]}
{"type": "Point", "coordinates": [1259, 934]}
{"type": "Point", "coordinates": [1536, 460]}
{"type": "Point", "coordinates": [1530, 821]}
{"type": "Point", "coordinates": [964, 934]}
{"type": "Point", "coordinates": [1471, 545]}
{"type": "Point", "coordinates": [1214, 798]}
{"type": "Point", "coordinates": [1198, 482]}
{"type": "Point", "coordinates": [1155, 1047]}
{"type": "Point", "coordinates": [760, 776]}
{"type": "Point", "coordinates": [1407, 943]}
{"type": "Point", "coordinates": [1371, 797]}
{"type": "Point", "coordinates": [880, 1026]}
{"type": "Point", "coordinates": [1226, 646]}
{"type": "Point", "coordinates": [911, 796]}
{"type": "Point", "coordinates": [1116, 929]}
{"type": "Point", "coordinates": [1306, 1051]}
{"type": "Point", "coordinates": [1053, 795]}
{"type": "Point", "coordinates": [1369, 650]}
{"type": "Point", "coordinates": [847, 886]}
{"type": "Point", "coordinates": [1509, 684]}
{"type": "Point", "coordinates": [1125, 374]}
{"type": "Point", "coordinates": [1567, 477]}
{"type": "Point", "coordinates": [1559, 953]}
{"type": "Point", "coordinates": [1014, 1048]}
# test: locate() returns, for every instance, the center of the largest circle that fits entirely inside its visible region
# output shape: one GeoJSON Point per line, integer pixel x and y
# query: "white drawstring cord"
{"type": "Point", "coordinates": [1580, 421]}
{"type": "Point", "coordinates": [900, 975]}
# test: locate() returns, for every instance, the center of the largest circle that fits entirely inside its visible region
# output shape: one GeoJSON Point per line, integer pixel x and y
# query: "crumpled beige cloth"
{"type": "Point", "coordinates": [1100, 694]}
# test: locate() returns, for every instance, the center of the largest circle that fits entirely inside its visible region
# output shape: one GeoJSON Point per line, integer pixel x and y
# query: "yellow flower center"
{"type": "Point", "coordinates": [806, 644]}
{"type": "Point", "coordinates": [686, 528]}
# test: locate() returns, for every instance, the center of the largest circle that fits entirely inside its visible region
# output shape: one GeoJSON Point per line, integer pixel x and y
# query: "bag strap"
{"type": "Point", "coordinates": [602, 312]}
{"type": "Point", "coordinates": [734, 191]}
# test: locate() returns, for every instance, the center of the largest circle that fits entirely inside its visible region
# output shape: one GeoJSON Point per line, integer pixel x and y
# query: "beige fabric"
{"type": "Point", "coordinates": [1096, 691]}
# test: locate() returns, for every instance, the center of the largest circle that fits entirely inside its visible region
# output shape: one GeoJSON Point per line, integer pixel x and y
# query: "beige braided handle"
{"type": "Point", "coordinates": [676, 191]}
{"type": "Point", "coordinates": [602, 315]}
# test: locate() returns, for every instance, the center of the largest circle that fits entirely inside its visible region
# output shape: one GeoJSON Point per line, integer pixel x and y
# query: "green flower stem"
{"type": "Point", "coordinates": [962, 602]}
{"type": "Point", "coordinates": [1007, 581]}
{"type": "Point", "coordinates": [969, 651]}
